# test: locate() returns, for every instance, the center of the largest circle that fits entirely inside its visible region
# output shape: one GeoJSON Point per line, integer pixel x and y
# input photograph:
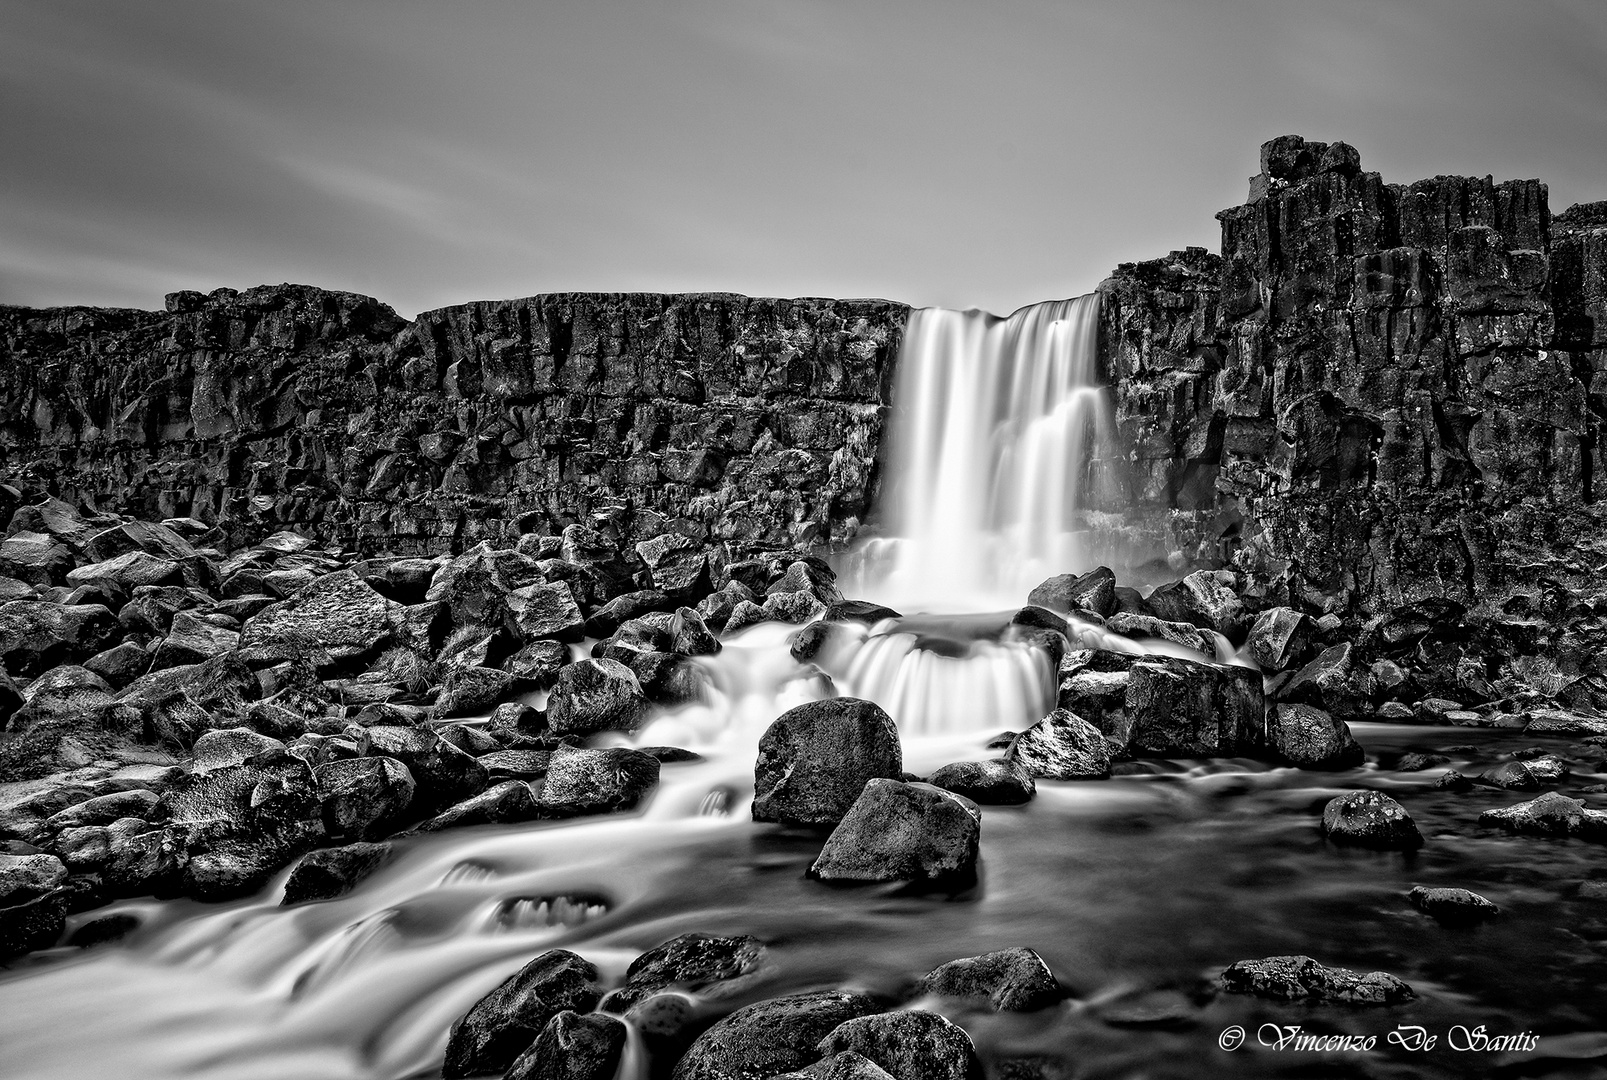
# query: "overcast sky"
{"type": "Point", "coordinates": [957, 153]}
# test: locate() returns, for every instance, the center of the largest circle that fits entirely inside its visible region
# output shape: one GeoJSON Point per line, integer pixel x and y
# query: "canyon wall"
{"type": "Point", "coordinates": [1375, 393]}
{"type": "Point", "coordinates": [750, 422]}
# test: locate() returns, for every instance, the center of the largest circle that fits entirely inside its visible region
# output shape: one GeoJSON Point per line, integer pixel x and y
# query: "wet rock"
{"type": "Point", "coordinates": [34, 558]}
{"type": "Point", "coordinates": [1324, 683]}
{"type": "Point", "coordinates": [1094, 591]}
{"type": "Point", "coordinates": [690, 637]}
{"type": "Point", "coordinates": [545, 611]}
{"type": "Point", "coordinates": [120, 665]}
{"type": "Point", "coordinates": [1415, 762]}
{"type": "Point", "coordinates": [1062, 746]}
{"type": "Point", "coordinates": [573, 1047]}
{"type": "Point", "coordinates": [596, 695]}
{"type": "Point", "coordinates": [524, 765]}
{"type": "Point", "coordinates": [1012, 980]}
{"type": "Point", "coordinates": [859, 611]}
{"type": "Point", "coordinates": [505, 1023]}
{"type": "Point", "coordinates": [1451, 780]}
{"type": "Point", "coordinates": [1558, 722]}
{"type": "Point", "coordinates": [1549, 815]}
{"type": "Point", "coordinates": [104, 809]}
{"type": "Point", "coordinates": [1180, 708]}
{"type": "Point", "coordinates": [604, 781]}
{"type": "Point", "coordinates": [1145, 627]}
{"type": "Point", "coordinates": [846, 1065]}
{"type": "Point", "coordinates": [996, 782]}
{"type": "Point", "coordinates": [333, 872]}
{"type": "Point", "coordinates": [472, 740]}
{"type": "Point", "coordinates": [471, 691]}
{"type": "Point", "coordinates": [225, 747]}
{"type": "Point", "coordinates": [101, 931]}
{"type": "Point", "coordinates": [815, 759]}
{"type": "Point", "coordinates": [474, 586]}
{"type": "Point", "coordinates": [908, 1045]}
{"type": "Point", "coordinates": [744, 614]}
{"type": "Point", "coordinates": [903, 832]}
{"type": "Point", "coordinates": [791, 607]}
{"type": "Point", "coordinates": [1513, 775]}
{"type": "Point", "coordinates": [442, 774]}
{"type": "Point", "coordinates": [504, 803]}
{"type": "Point", "coordinates": [1278, 638]}
{"type": "Point", "coordinates": [363, 798]}
{"type": "Point", "coordinates": [26, 877]}
{"type": "Point", "coordinates": [1309, 738]}
{"type": "Point", "coordinates": [621, 609]}
{"type": "Point", "coordinates": [1452, 905]}
{"type": "Point", "coordinates": [667, 1024]}
{"type": "Point", "coordinates": [340, 613]}
{"type": "Point", "coordinates": [125, 572]}
{"type": "Point", "coordinates": [705, 964]}
{"type": "Point", "coordinates": [1300, 978]}
{"type": "Point", "coordinates": [1216, 603]}
{"type": "Point", "coordinates": [36, 923]}
{"type": "Point", "coordinates": [772, 1037]}
{"type": "Point", "coordinates": [1370, 819]}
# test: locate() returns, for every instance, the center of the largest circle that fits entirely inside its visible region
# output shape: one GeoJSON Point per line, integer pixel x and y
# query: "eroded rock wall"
{"type": "Point", "coordinates": [752, 422]}
{"type": "Point", "coordinates": [1377, 392]}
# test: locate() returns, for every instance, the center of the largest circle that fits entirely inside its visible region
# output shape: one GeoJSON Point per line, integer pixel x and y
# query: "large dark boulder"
{"type": "Point", "coordinates": [340, 613]}
{"type": "Point", "coordinates": [1309, 738]}
{"type": "Point", "coordinates": [1279, 637]}
{"type": "Point", "coordinates": [442, 774]}
{"type": "Point", "coordinates": [1180, 708]}
{"type": "Point", "coordinates": [910, 1045]}
{"type": "Point", "coordinates": [36, 636]}
{"type": "Point", "coordinates": [505, 803]}
{"type": "Point", "coordinates": [501, 1026]}
{"type": "Point", "coordinates": [903, 832]}
{"type": "Point", "coordinates": [596, 695]}
{"type": "Point", "coordinates": [772, 1037]}
{"type": "Point", "coordinates": [1011, 980]}
{"type": "Point", "coordinates": [705, 964]}
{"type": "Point", "coordinates": [573, 1047]}
{"type": "Point", "coordinates": [815, 759]}
{"type": "Point", "coordinates": [545, 611]}
{"type": "Point", "coordinates": [1094, 591]}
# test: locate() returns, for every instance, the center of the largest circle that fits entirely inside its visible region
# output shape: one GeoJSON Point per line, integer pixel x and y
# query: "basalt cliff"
{"type": "Point", "coordinates": [1375, 393]}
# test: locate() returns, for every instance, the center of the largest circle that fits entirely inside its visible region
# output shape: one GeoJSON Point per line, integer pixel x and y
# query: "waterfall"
{"type": "Point", "coordinates": [997, 432]}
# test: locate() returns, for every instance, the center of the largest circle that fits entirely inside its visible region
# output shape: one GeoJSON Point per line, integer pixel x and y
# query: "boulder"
{"type": "Point", "coordinates": [705, 964]}
{"type": "Point", "coordinates": [35, 923]}
{"type": "Point", "coordinates": [898, 831]}
{"type": "Point", "coordinates": [505, 803]}
{"type": "Point", "coordinates": [333, 872]}
{"type": "Point", "coordinates": [1061, 746]}
{"type": "Point", "coordinates": [1278, 638]}
{"type": "Point", "coordinates": [363, 798]}
{"type": "Point", "coordinates": [442, 774]}
{"type": "Point", "coordinates": [126, 571]}
{"type": "Point", "coordinates": [771, 1037]}
{"type": "Point", "coordinates": [502, 1025]}
{"type": "Point", "coordinates": [1180, 708]}
{"type": "Point", "coordinates": [1094, 591]}
{"type": "Point", "coordinates": [1550, 814]}
{"type": "Point", "coordinates": [621, 609]}
{"type": "Point", "coordinates": [340, 613]}
{"type": "Point", "coordinates": [1300, 978]}
{"type": "Point", "coordinates": [1309, 738]}
{"type": "Point", "coordinates": [1370, 819]}
{"type": "Point", "coordinates": [538, 663]}
{"type": "Point", "coordinates": [1147, 627]}
{"type": "Point", "coordinates": [26, 877]}
{"type": "Point", "coordinates": [545, 611]}
{"type": "Point", "coordinates": [1011, 980]}
{"type": "Point", "coordinates": [689, 636]}
{"type": "Point", "coordinates": [996, 782]}
{"type": "Point", "coordinates": [472, 691]}
{"type": "Point", "coordinates": [679, 565]}
{"type": "Point", "coordinates": [474, 586]}
{"type": "Point", "coordinates": [1217, 604]}
{"type": "Point", "coordinates": [573, 1047]}
{"type": "Point", "coordinates": [36, 636]}
{"type": "Point", "coordinates": [602, 781]}
{"type": "Point", "coordinates": [846, 1065]}
{"type": "Point", "coordinates": [1452, 905]}
{"type": "Point", "coordinates": [909, 1045]}
{"type": "Point", "coordinates": [815, 760]}
{"type": "Point", "coordinates": [596, 695]}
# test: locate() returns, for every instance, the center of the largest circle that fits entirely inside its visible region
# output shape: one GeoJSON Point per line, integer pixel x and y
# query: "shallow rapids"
{"type": "Point", "coordinates": [1135, 890]}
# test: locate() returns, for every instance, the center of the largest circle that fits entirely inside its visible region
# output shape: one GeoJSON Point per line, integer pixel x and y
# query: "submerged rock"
{"type": "Point", "coordinates": [772, 1037]}
{"type": "Point", "coordinates": [1370, 819]}
{"type": "Point", "coordinates": [502, 1025]}
{"type": "Point", "coordinates": [1452, 905]}
{"type": "Point", "coordinates": [903, 832]}
{"type": "Point", "coordinates": [1549, 815]}
{"type": "Point", "coordinates": [1011, 980]}
{"type": "Point", "coordinates": [815, 759]}
{"type": "Point", "coordinates": [1300, 978]}
{"type": "Point", "coordinates": [331, 872]}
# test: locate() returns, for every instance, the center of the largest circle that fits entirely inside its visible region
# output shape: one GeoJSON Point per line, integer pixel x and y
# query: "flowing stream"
{"type": "Point", "coordinates": [1136, 890]}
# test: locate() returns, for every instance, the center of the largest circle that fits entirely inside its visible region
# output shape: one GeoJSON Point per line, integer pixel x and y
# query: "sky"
{"type": "Point", "coordinates": [927, 151]}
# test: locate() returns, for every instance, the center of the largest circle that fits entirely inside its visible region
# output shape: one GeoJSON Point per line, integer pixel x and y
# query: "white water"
{"type": "Point", "coordinates": [997, 428]}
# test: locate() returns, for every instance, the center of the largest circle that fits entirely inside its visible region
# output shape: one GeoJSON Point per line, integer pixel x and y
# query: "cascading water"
{"type": "Point", "coordinates": [998, 431]}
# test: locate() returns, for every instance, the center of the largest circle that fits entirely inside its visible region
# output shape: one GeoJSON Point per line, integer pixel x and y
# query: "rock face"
{"type": "Point", "coordinates": [757, 422]}
{"type": "Point", "coordinates": [1377, 392]}
{"type": "Point", "coordinates": [816, 759]}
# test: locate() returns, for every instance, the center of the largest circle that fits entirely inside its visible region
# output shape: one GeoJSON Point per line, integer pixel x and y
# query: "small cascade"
{"type": "Point", "coordinates": [998, 443]}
